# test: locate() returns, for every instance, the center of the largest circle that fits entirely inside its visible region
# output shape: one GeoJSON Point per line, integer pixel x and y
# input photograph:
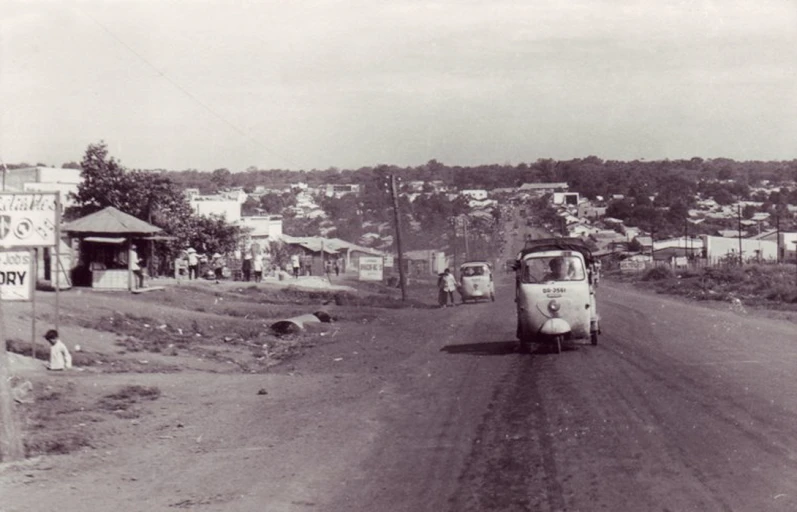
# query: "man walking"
{"type": "Point", "coordinates": [448, 285]}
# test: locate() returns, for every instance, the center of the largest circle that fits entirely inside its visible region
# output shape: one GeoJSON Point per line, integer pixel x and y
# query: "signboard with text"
{"type": "Point", "coordinates": [632, 266]}
{"type": "Point", "coordinates": [16, 275]}
{"type": "Point", "coordinates": [28, 219]}
{"type": "Point", "coordinates": [371, 268]}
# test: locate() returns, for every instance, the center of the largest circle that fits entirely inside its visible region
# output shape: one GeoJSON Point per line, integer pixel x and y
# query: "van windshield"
{"type": "Point", "coordinates": [558, 268]}
{"type": "Point", "coordinates": [473, 271]}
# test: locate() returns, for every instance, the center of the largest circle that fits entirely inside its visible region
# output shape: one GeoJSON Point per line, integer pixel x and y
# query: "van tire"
{"type": "Point", "coordinates": [557, 344]}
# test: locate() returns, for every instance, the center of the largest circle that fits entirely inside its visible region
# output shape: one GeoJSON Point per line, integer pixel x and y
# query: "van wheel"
{"type": "Point", "coordinates": [557, 344]}
{"type": "Point", "coordinates": [594, 337]}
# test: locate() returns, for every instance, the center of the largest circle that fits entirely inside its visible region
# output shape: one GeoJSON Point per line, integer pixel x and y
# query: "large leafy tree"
{"type": "Point", "coordinates": [105, 183]}
{"type": "Point", "coordinates": [152, 197]}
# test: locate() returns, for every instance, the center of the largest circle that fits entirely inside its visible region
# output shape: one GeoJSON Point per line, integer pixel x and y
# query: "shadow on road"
{"type": "Point", "coordinates": [491, 348]}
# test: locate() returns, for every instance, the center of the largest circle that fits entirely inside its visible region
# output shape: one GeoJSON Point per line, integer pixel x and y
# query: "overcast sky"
{"type": "Point", "coordinates": [299, 84]}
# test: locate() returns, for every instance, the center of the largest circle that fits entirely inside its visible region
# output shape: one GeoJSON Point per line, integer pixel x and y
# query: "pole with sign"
{"type": "Point", "coordinates": [397, 222]}
{"type": "Point", "coordinates": [27, 221]}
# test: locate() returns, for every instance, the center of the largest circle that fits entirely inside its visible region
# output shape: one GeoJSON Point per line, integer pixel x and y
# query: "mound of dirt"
{"type": "Point", "coordinates": [19, 363]}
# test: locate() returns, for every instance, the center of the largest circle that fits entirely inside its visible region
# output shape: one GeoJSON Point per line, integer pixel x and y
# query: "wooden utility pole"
{"type": "Point", "coordinates": [739, 216]}
{"type": "Point", "coordinates": [465, 229]}
{"type": "Point", "coordinates": [397, 222]}
{"type": "Point", "coordinates": [11, 447]}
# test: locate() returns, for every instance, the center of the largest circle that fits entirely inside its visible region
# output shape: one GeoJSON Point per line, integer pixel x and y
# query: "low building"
{"type": "Point", "coordinates": [475, 194]}
{"type": "Point", "coordinates": [425, 262]}
{"type": "Point", "coordinates": [261, 229]}
{"type": "Point", "coordinates": [786, 243]}
{"type": "Point", "coordinates": [45, 179]}
{"type": "Point", "coordinates": [566, 198]}
{"type": "Point", "coordinates": [206, 206]}
{"type": "Point", "coordinates": [339, 190]}
{"type": "Point", "coordinates": [347, 253]}
{"type": "Point", "coordinates": [678, 246]}
{"type": "Point", "coordinates": [717, 248]}
{"type": "Point", "coordinates": [544, 188]}
{"type": "Point", "coordinates": [586, 210]}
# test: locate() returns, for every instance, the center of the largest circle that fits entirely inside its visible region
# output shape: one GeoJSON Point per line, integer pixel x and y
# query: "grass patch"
{"type": "Point", "coordinates": [127, 397]}
{"type": "Point", "coordinates": [772, 286]}
{"type": "Point", "coordinates": [59, 444]}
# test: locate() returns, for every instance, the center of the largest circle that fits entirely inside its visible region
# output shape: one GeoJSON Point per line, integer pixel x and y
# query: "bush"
{"type": "Point", "coordinates": [658, 274]}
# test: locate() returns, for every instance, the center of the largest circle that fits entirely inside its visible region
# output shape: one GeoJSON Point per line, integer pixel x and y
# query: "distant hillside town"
{"type": "Point", "coordinates": [713, 209]}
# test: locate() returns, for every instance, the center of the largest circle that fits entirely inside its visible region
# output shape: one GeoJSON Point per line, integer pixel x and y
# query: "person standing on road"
{"type": "Point", "coordinates": [246, 266]}
{"type": "Point", "coordinates": [448, 285]}
{"type": "Point", "coordinates": [60, 358]}
{"type": "Point", "coordinates": [296, 265]}
{"type": "Point", "coordinates": [193, 263]}
{"type": "Point", "coordinates": [257, 264]}
{"type": "Point", "coordinates": [218, 266]}
{"type": "Point", "coordinates": [135, 267]}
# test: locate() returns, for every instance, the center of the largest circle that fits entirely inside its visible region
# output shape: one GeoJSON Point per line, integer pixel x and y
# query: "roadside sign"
{"type": "Point", "coordinates": [16, 275]}
{"type": "Point", "coordinates": [389, 261]}
{"type": "Point", "coordinates": [370, 268]}
{"type": "Point", "coordinates": [28, 219]}
{"type": "Point", "coordinates": [632, 266]}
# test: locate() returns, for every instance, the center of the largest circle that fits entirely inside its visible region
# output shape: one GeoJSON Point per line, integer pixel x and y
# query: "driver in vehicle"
{"type": "Point", "coordinates": [558, 270]}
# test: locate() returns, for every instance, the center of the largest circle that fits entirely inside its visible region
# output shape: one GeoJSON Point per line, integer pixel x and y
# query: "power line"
{"type": "Point", "coordinates": [185, 91]}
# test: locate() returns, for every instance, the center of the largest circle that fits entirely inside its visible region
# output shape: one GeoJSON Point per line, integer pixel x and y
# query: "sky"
{"type": "Point", "coordinates": [295, 84]}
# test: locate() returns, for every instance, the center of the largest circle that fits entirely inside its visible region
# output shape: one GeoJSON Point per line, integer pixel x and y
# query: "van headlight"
{"type": "Point", "coordinates": [553, 306]}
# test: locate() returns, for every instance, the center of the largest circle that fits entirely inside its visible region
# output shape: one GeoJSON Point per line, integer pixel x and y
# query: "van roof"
{"type": "Point", "coordinates": [558, 244]}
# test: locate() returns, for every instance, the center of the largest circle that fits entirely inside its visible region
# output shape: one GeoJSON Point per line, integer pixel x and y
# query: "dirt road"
{"type": "Point", "coordinates": [680, 407]}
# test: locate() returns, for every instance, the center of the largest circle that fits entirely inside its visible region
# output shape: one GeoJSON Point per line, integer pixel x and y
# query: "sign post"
{"type": "Point", "coordinates": [27, 220]}
{"type": "Point", "coordinates": [370, 268]}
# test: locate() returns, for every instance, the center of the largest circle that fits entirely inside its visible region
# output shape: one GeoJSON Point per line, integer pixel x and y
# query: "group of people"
{"type": "Point", "coordinates": [253, 265]}
{"type": "Point", "coordinates": [304, 265]}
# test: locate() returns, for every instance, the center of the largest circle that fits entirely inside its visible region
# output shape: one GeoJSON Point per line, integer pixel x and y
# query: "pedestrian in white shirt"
{"type": "Point", "coordinates": [257, 264]}
{"type": "Point", "coordinates": [448, 285]}
{"type": "Point", "coordinates": [60, 358]}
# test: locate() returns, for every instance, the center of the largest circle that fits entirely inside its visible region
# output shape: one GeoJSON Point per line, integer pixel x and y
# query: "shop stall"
{"type": "Point", "coordinates": [106, 246]}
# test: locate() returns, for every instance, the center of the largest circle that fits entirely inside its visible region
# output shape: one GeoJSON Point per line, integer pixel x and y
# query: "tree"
{"type": "Point", "coordinates": [277, 203]}
{"type": "Point", "coordinates": [105, 182]}
{"type": "Point", "coordinates": [221, 178]}
{"type": "Point", "coordinates": [152, 197]}
{"type": "Point", "coordinates": [250, 207]}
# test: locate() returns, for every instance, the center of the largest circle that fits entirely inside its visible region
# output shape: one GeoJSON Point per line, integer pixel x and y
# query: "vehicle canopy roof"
{"type": "Point", "coordinates": [558, 244]}
{"type": "Point", "coordinates": [475, 263]}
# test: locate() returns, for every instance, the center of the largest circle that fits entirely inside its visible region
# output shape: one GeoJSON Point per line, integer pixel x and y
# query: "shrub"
{"type": "Point", "coordinates": [658, 274]}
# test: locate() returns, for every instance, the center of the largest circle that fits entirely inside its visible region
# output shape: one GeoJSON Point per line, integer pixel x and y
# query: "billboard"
{"type": "Point", "coordinates": [371, 268]}
{"type": "Point", "coordinates": [16, 275]}
{"type": "Point", "coordinates": [27, 219]}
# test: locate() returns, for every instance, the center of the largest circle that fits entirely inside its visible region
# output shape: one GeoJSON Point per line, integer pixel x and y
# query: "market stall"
{"type": "Point", "coordinates": [107, 247]}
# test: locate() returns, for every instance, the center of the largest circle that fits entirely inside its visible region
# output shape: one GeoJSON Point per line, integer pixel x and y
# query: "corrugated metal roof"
{"type": "Point", "coordinates": [110, 220]}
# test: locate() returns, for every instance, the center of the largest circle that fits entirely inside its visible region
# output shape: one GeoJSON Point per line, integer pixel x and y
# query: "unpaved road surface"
{"type": "Point", "coordinates": [680, 407]}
